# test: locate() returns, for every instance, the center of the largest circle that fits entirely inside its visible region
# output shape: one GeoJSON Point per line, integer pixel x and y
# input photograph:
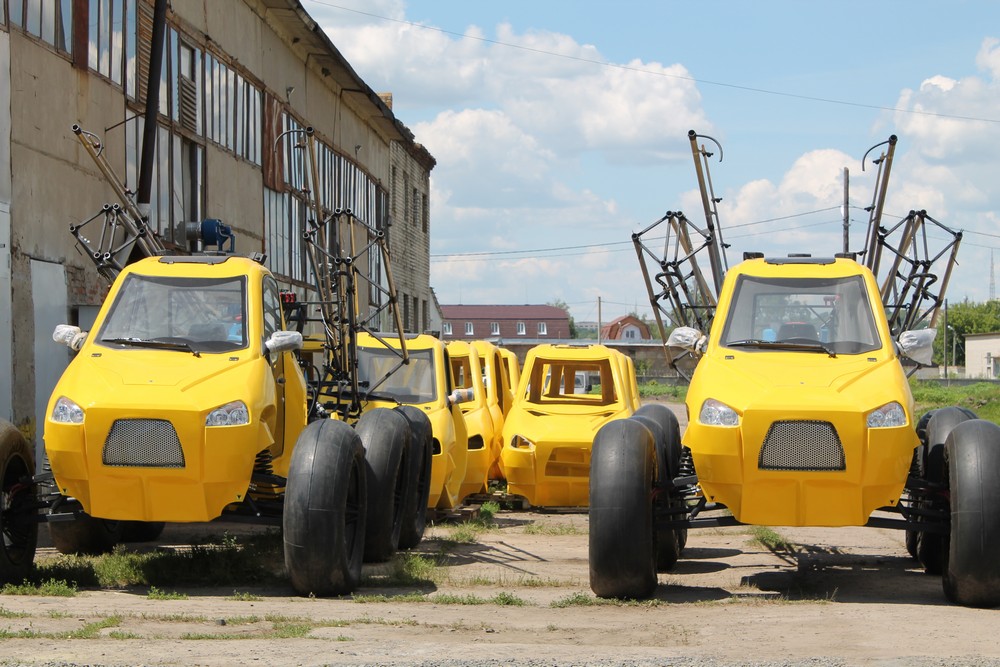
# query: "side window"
{"type": "Point", "coordinates": [272, 307]}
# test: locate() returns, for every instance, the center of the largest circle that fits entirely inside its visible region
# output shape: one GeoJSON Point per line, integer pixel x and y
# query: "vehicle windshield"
{"type": "Point", "coordinates": [412, 383]}
{"type": "Point", "coordinates": [184, 314]}
{"type": "Point", "coordinates": [800, 315]}
{"type": "Point", "coordinates": [571, 382]}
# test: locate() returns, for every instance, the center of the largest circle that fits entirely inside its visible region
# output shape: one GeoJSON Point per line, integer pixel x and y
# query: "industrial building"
{"type": "Point", "coordinates": [237, 75]}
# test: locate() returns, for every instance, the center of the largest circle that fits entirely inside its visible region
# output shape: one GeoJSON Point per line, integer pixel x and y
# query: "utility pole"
{"type": "Point", "coordinates": [845, 211]}
{"type": "Point", "coordinates": [944, 343]}
{"type": "Point", "coordinates": [599, 326]}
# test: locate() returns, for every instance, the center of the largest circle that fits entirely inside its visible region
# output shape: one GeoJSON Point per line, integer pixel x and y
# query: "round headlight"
{"type": "Point", "coordinates": [66, 411]}
{"type": "Point", "coordinates": [717, 413]}
{"type": "Point", "coordinates": [230, 414]}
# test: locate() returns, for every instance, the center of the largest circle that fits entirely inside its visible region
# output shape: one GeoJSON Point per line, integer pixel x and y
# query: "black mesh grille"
{"type": "Point", "coordinates": [802, 445]}
{"type": "Point", "coordinates": [143, 443]}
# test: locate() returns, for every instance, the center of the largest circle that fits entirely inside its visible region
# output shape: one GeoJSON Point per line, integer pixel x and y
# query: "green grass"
{"type": "Point", "coordinates": [405, 569]}
{"type": "Point", "coordinates": [769, 539]}
{"type": "Point", "coordinates": [983, 398]}
{"type": "Point", "coordinates": [49, 588]}
{"type": "Point", "coordinates": [7, 613]}
{"type": "Point", "coordinates": [244, 597]}
{"type": "Point", "coordinates": [156, 594]}
{"type": "Point", "coordinates": [654, 389]}
{"type": "Point", "coordinates": [559, 529]}
{"type": "Point", "coordinates": [254, 559]}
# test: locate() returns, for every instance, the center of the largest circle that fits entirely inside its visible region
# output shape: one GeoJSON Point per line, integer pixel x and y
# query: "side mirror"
{"type": "Point", "coordinates": [687, 338]}
{"type": "Point", "coordinates": [70, 336]}
{"type": "Point", "coordinates": [284, 341]}
{"type": "Point", "coordinates": [918, 345]}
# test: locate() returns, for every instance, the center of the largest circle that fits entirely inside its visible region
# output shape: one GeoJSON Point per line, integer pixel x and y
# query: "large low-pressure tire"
{"type": "Point", "coordinates": [323, 524]}
{"type": "Point", "coordinates": [931, 548]}
{"type": "Point", "coordinates": [622, 542]}
{"type": "Point", "coordinates": [667, 547]}
{"type": "Point", "coordinates": [418, 483]}
{"type": "Point", "coordinates": [385, 435]}
{"type": "Point", "coordinates": [85, 534]}
{"type": "Point", "coordinates": [18, 524]}
{"type": "Point", "coordinates": [669, 542]}
{"type": "Point", "coordinates": [972, 572]}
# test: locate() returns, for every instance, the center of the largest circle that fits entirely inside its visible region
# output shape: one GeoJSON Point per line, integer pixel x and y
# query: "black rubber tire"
{"type": "Point", "coordinates": [667, 435]}
{"type": "Point", "coordinates": [418, 476]}
{"type": "Point", "coordinates": [667, 548]}
{"type": "Point", "coordinates": [85, 535]}
{"type": "Point", "coordinates": [142, 531]}
{"type": "Point", "coordinates": [385, 435]}
{"type": "Point", "coordinates": [323, 524]}
{"type": "Point", "coordinates": [622, 544]}
{"type": "Point", "coordinates": [972, 572]}
{"type": "Point", "coordinates": [669, 450]}
{"type": "Point", "coordinates": [18, 520]}
{"type": "Point", "coordinates": [931, 548]}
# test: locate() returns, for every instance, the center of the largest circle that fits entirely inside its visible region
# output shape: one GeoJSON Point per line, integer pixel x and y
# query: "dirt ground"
{"type": "Point", "coordinates": [848, 596]}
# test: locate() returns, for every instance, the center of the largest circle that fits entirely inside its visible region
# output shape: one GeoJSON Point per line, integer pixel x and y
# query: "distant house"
{"type": "Point", "coordinates": [626, 327]}
{"type": "Point", "coordinates": [506, 322]}
{"type": "Point", "coordinates": [982, 356]}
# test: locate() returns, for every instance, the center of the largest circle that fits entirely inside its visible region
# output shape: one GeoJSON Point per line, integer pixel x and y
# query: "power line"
{"type": "Point", "coordinates": [640, 70]}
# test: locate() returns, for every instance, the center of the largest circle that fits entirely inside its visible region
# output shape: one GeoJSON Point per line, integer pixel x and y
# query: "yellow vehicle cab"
{"type": "Point", "coordinates": [499, 395]}
{"type": "Point", "coordinates": [800, 412]}
{"type": "Point", "coordinates": [180, 359]}
{"type": "Point", "coordinates": [550, 429]}
{"type": "Point", "coordinates": [473, 401]}
{"type": "Point", "coordinates": [425, 382]}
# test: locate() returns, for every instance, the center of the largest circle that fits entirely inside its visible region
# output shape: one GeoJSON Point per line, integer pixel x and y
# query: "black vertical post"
{"type": "Point", "coordinates": [145, 185]}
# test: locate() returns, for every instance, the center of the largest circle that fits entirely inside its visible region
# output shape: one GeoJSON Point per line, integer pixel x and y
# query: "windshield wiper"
{"type": "Point", "coordinates": [782, 345]}
{"type": "Point", "coordinates": [156, 344]}
{"type": "Point", "coordinates": [379, 396]}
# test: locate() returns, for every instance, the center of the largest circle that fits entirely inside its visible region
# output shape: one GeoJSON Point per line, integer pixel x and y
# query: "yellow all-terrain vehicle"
{"type": "Point", "coordinates": [186, 403]}
{"type": "Point", "coordinates": [799, 414]}
{"type": "Point", "coordinates": [549, 430]}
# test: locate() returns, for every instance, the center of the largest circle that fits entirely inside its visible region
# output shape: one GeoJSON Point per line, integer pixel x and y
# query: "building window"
{"type": "Point", "coordinates": [52, 21]}
{"type": "Point", "coordinates": [283, 219]}
{"type": "Point", "coordinates": [446, 328]}
{"type": "Point", "coordinates": [426, 212]}
{"type": "Point", "coordinates": [233, 110]}
{"type": "Point", "coordinates": [630, 332]}
{"type": "Point", "coordinates": [416, 207]}
{"type": "Point", "coordinates": [494, 328]}
{"type": "Point", "coordinates": [521, 329]}
{"type": "Point", "coordinates": [468, 329]}
{"type": "Point", "coordinates": [406, 197]}
{"type": "Point", "coordinates": [395, 190]}
{"type": "Point", "coordinates": [542, 329]}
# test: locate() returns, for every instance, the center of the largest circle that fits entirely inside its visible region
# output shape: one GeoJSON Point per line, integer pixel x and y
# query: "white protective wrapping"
{"type": "Point", "coordinates": [281, 341]}
{"type": "Point", "coordinates": [918, 345]}
{"type": "Point", "coordinates": [70, 336]}
{"type": "Point", "coordinates": [687, 338]}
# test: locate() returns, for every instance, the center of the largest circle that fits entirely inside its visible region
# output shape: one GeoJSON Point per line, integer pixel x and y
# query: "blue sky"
{"type": "Point", "coordinates": [560, 127]}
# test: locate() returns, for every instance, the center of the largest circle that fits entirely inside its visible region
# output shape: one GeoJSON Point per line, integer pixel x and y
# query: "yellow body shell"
{"type": "Point", "coordinates": [155, 386]}
{"type": "Point", "coordinates": [766, 387]}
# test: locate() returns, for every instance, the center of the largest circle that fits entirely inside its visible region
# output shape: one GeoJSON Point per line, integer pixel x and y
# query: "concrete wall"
{"type": "Point", "coordinates": [6, 332]}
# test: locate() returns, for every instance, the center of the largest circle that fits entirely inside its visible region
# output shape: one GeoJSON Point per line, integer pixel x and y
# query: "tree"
{"type": "Point", "coordinates": [562, 305]}
{"type": "Point", "coordinates": [964, 318]}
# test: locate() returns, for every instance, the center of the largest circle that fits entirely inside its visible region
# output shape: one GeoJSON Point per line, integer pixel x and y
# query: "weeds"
{"type": "Point", "coordinates": [244, 597]}
{"type": "Point", "coordinates": [558, 529]}
{"type": "Point", "coordinates": [229, 562]}
{"type": "Point", "coordinates": [156, 594]}
{"type": "Point", "coordinates": [48, 588]}
{"type": "Point", "coordinates": [769, 539]}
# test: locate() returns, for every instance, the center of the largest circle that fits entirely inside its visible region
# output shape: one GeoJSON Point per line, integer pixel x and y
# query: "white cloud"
{"type": "Point", "coordinates": [522, 131]}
